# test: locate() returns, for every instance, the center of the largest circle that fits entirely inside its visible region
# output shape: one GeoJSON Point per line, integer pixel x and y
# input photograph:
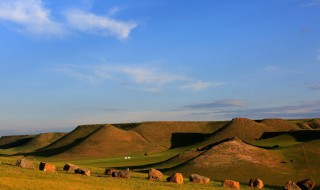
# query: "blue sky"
{"type": "Point", "coordinates": [65, 63]}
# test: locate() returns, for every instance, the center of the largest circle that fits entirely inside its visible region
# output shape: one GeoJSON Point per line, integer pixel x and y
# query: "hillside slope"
{"type": "Point", "coordinates": [109, 141]}
{"type": "Point", "coordinates": [279, 124]}
{"type": "Point", "coordinates": [171, 134]}
{"type": "Point", "coordinates": [245, 129]}
{"type": "Point", "coordinates": [42, 140]}
{"type": "Point", "coordinates": [234, 159]}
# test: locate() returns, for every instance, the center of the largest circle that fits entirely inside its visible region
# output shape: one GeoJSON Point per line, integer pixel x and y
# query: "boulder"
{"type": "Point", "coordinates": [256, 183]}
{"type": "Point", "coordinates": [24, 163]}
{"type": "Point", "coordinates": [290, 185]}
{"type": "Point", "coordinates": [231, 184]}
{"type": "Point", "coordinates": [82, 171]}
{"type": "Point", "coordinates": [125, 174]}
{"type": "Point", "coordinates": [70, 167]}
{"type": "Point", "coordinates": [176, 178]}
{"type": "Point", "coordinates": [154, 174]}
{"type": "Point", "coordinates": [195, 178]}
{"type": "Point", "coordinates": [307, 184]}
{"type": "Point", "coordinates": [47, 167]}
{"type": "Point", "coordinates": [109, 171]}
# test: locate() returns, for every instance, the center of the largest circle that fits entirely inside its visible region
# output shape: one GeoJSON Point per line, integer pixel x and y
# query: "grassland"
{"type": "Point", "coordinates": [13, 177]}
{"type": "Point", "coordinates": [186, 147]}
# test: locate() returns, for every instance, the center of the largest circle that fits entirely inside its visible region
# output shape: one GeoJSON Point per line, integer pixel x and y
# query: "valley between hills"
{"type": "Point", "coordinates": [274, 150]}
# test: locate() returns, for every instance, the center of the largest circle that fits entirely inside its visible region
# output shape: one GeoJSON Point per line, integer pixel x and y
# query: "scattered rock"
{"type": "Point", "coordinates": [307, 184]}
{"type": "Point", "coordinates": [195, 178]}
{"type": "Point", "coordinates": [256, 183]}
{"type": "Point", "coordinates": [125, 174]}
{"type": "Point", "coordinates": [154, 174]}
{"type": "Point", "coordinates": [176, 178]}
{"type": "Point", "coordinates": [231, 184]}
{"type": "Point", "coordinates": [70, 167]}
{"type": "Point", "coordinates": [82, 171]}
{"type": "Point", "coordinates": [47, 167]}
{"type": "Point", "coordinates": [24, 163]}
{"type": "Point", "coordinates": [109, 171]}
{"type": "Point", "coordinates": [291, 186]}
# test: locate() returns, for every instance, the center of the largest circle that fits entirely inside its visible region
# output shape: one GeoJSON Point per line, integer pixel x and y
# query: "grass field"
{"type": "Point", "coordinates": [186, 147]}
{"type": "Point", "coordinates": [13, 177]}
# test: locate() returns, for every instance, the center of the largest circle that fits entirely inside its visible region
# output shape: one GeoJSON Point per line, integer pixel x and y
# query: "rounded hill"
{"type": "Point", "coordinates": [109, 141]}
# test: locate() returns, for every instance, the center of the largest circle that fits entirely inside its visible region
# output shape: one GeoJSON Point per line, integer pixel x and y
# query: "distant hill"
{"type": "Point", "coordinates": [42, 140]}
{"type": "Point", "coordinates": [14, 141]}
{"type": "Point", "coordinates": [109, 141]}
{"type": "Point", "coordinates": [170, 134]}
{"type": "Point", "coordinates": [247, 129]}
{"type": "Point", "coordinates": [279, 124]}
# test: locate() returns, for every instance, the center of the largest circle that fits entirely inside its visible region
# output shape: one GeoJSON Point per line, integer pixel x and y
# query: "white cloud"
{"type": "Point", "coordinates": [31, 15]}
{"type": "Point", "coordinates": [196, 85]}
{"type": "Point", "coordinates": [89, 22]}
{"type": "Point", "coordinates": [150, 79]}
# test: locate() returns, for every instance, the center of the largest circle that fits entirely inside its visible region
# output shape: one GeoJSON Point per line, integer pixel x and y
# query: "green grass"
{"type": "Point", "coordinates": [281, 140]}
{"type": "Point", "coordinates": [13, 177]}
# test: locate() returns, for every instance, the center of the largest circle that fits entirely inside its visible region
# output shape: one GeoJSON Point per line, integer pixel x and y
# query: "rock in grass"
{"type": "Point", "coordinates": [109, 171]}
{"type": "Point", "coordinates": [290, 185]}
{"type": "Point", "coordinates": [125, 174]}
{"type": "Point", "coordinates": [195, 178]}
{"type": "Point", "coordinates": [231, 184]}
{"type": "Point", "coordinates": [176, 178]}
{"type": "Point", "coordinates": [70, 167]}
{"type": "Point", "coordinates": [256, 183]}
{"type": "Point", "coordinates": [25, 163]}
{"type": "Point", "coordinates": [307, 184]}
{"type": "Point", "coordinates": [47, 167]}
{"type": "Point", "coordinates": [154, 174]}
{"type": "Point", "coordinates": [82, 171]}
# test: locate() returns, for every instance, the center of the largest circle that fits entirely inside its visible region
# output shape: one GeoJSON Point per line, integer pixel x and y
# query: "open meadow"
{"type": "Point", "coordinates": [275, 151]}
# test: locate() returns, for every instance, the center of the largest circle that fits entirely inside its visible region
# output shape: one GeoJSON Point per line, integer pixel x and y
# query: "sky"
{"type": "Point", "coordinates": [67, 63]}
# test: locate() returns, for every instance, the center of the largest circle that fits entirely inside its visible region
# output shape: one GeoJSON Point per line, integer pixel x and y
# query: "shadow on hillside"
{"type": "Point", "coordinates": [19, 142]}
{"type": "Point", "coordinates": [299, 135]}
{"type": "Point", "coordinates": [55, 151]}
{"type": "Point", "coordinates": [185, 139]}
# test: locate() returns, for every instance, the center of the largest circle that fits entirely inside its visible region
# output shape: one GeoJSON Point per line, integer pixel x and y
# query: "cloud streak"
{"type": "Point", "coordinates": [219, 104]}
{"type": "Point", "coordinates": [102, 25]}
{"type": "Point", "coordinates": [30, 15]}
{"type": "Point", "coordinates": [152, 79]}
{"type": "Point", "coordinates": [217, 110]}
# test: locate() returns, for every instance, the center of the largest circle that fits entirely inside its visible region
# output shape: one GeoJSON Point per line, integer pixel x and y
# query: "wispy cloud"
{"type": "Point", "coordinates": [218, 104]}
{"type": "Point", "coordinates": [302, 110]}
{"type": "Point", "coordinates": [30, 15]}
{"type": "Point", "coordinates": [277, 69]}
{"type": "Point", "coordinates": [151, 78]}
{"type": "Point", "coordinates": [103, 25]}
{"type": "Point", "coordinates": [198, 85]}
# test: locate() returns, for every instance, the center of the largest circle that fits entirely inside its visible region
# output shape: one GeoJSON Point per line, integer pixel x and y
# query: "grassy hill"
{"type": "Point", "coordinates": [171, 134]}
{"type": "Point", "coordinates": [110, 141]}
{"type": "Point", "coordinates": [237, 160]}
{"type": "Point", "coordinates": [274, 150]}
{"type": "Point", "coordinates": [249, 130]}
{"type": "Point", "coordinates": [14, 141]}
